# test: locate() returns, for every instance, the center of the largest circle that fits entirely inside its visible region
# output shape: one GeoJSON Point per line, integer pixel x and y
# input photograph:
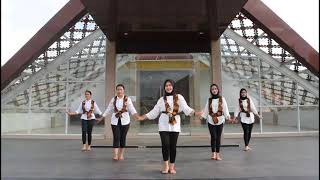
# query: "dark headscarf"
{"type": "Point", "coordinates": [173, 87]}
{"type": "Point", "coordinates": [243, 98]}
{"type": "Point", "coordinates": [212, 95]}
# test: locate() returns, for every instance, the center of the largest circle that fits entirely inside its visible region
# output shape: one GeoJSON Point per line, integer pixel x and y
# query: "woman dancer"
{"type": "Point", "coordinates": [120, 106]}
{"type": "Point", "coordinates": [169, 122]}
{"type": "Point", "coordinates": [216, 111]}
{"type": "Point", "coordinates": [87, 108]}
{"type": "Point", "coordinates": [247, 110]}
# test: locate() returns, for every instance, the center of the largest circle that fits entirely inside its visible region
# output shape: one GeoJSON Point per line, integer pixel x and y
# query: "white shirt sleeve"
{"type": "Point", "coordinates": [131, 108]}
{"type": "Point", "coordinates": [253, 107]}
{"type": "Point", "coordinates": [79, 110]}
{"type": "Point", "coordinates": [96, 109]}
{"type": "Point", "coordinates": [225, 108]}
{"type": "Point", "coordinates": [155, 111]}
{"type": "Point", "coordinates": [109, 109]}
{"type": "Point", "coordinates": [184, 106]}
{"type": "Point", "coordinates": [205, 111]}
{"type": "Point", "coordinates": [237, 111]}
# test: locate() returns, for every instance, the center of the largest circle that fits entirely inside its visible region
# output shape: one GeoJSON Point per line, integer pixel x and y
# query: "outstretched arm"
{"type": "Point", "coordinates": [78, 111]}
{"type": "Point", "coordinates": [254, 110]}
{"type": "Point", "coordinates": [184, 106]}
{"type": "Point", "coordinates": [154, 113]}
{"type": "Point", "coordinates": [225, 109]}
{"type": "Point", "coordinates": [71, 113]}
{"type": "Point", "coordinates": [140, 118]}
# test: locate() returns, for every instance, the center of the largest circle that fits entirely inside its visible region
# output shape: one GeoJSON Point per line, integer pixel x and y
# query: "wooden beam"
{"type": "Point", "coordinates": [282, 33]}
{"type": "Point", "coordinates": [48, 34]}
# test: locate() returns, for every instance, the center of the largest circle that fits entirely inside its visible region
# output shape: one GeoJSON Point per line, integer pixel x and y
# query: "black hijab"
{"type": "Point", "coordinates": [243, 98]}
{"type": "Point", "coordinates": [212, 95]}
{"type": "Point", "coordinates": [173, 87]}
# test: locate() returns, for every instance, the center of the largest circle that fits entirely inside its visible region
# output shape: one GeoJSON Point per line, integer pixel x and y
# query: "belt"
{"type": "Point", "coordinates": [164, 112]}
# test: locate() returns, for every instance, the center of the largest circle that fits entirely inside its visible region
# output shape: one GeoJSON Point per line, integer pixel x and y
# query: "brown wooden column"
{"type": "Point", "coordinates": [216, 63]}
{"type": "Point", "coordinates": [216, 76]}
{"type": "Point", "coordinates": [110, 80]}
{"type": "Point", "coordinates": [195, 122]}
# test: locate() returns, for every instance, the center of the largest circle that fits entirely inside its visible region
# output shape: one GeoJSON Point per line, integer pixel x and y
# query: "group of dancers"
{"type": "Point", "coordinates": [169, 107]}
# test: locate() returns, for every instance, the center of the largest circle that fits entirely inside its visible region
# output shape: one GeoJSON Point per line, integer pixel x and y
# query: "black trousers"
{"type": "Point", "coordinates": [169, 145]}
{"type": "Point", "coordinates": [119, 134]}
{"type": "Point", "coordinates": [87, 126]}
{"type": "Point", "coordinates": [247, 129]}
{"type": "Point", "coordinates": [215, 132]}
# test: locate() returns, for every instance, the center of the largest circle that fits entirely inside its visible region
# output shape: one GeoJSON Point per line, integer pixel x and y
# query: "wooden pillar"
{"type": "Point", "coordinates": [216, 63]}
{"type": "Point", "coordinates": [196, 92]}
{"type": "Point", "coordinates": [110, 80]}
{"type": "Point", "coordinates": [216, 68]}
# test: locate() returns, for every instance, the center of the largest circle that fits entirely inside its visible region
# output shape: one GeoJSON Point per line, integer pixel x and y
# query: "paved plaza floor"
{"type": "Point", "coordinates": [289, 158]}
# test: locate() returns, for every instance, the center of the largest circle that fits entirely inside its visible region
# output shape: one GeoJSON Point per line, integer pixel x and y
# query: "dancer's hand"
{"type": "Point", "coordinates": [198, 113]}
{"type": "Point", "coordinates": [69, 113]}
{"type": "Point", "coordinates": [230, 120]}
{"type": "Point", "coordinates": [235, 120]}
{"type": "Point", "coordinates": [141, 118]}
{"type": "Point", "coordinates": [99, 119]}
{"type": "Point", "coordinates": [260, 117]}
{"type": "Point", "coordinates": [136, 116]}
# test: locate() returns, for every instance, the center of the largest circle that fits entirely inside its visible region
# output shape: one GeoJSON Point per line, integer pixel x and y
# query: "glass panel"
{"type": "Point", "coordinates": [47, 121]}
{"type": "Point", "coordinates": [14, 121]}
{"type": "Point", "coordinates": [236, 127]}
{"type": "Point", "coordinates": [279, 119]}
{"type": "Point", "coordinates": [268, 72]}
{"type": "Point", "coordinates": [46, 94]}
{"type": "Point", "coordinates": [200, 91]}
{"type": "Point", "coordinates": [151, 83]}
{"type": "Point", "coordinates": [19, 101]}
{"type": "Point", "coordinates": [76, 96]}
{"type": "Point", "coordinates": [239, 67]}
{"type": "Point", "coordinates": [231, 92]}
{"type": "Point", "coordinates": [278, 92]}
{"type": "Point", "coordinates": [309, 118]}
{"type": "Point", "coordinates": [307, 98]}
{"type": "Point", "coordinates": [143, 75]}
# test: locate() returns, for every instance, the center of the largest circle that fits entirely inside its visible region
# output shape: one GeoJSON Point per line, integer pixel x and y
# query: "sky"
{"type": "Point", "coordinates": [21, 19]}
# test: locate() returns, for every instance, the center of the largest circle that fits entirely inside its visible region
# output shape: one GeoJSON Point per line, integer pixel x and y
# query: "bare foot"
{"type": "Point", "coordinates": [84, 147]}
{"type": "Point", "coordinates": [121, 152]}
{"type": "Point", "coordinates": [214, 156]}
{"type": "Point", "coordinates": [115, 157]}
{"type": "Point", "coordinates": [115, 154]}
{"type": "Point", "coordinates": [218, 157]}
{"type": "Point", "coordinates": [172, 169]}
{"type": "Point", "coordinates": [165, 169]}
{"type": "Point", "coordinates": [247, 148]}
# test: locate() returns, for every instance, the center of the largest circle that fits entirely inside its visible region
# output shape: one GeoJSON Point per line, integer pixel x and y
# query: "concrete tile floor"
{"type": "Point", "coordinates": [271, 158]}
